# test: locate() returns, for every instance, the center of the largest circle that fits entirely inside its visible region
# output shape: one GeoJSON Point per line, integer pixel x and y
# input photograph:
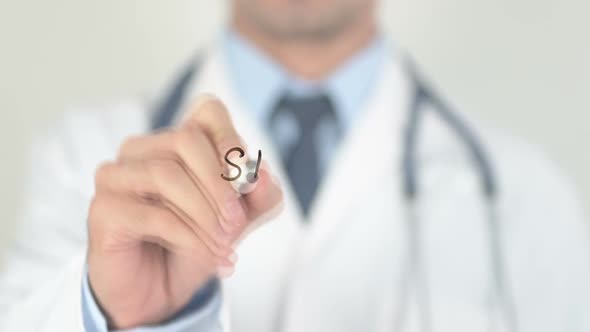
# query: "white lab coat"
{"type": "Point", "coordinates": [339, 271]}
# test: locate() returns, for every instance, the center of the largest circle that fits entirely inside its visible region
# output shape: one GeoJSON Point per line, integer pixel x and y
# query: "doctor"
{"type": "Point", "coordinates": [373, 189]}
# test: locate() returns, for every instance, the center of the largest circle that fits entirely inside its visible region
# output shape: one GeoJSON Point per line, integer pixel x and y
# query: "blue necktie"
{"type": "Point", "coordinates": [301, 158]}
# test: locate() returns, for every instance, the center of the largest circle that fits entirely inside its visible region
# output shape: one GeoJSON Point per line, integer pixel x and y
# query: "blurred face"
{"type": "Point", "coordinates": [302, 19]}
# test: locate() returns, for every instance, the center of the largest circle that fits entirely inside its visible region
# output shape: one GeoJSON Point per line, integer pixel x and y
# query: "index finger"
{"type": "Point", "coordinates": [210, 114]}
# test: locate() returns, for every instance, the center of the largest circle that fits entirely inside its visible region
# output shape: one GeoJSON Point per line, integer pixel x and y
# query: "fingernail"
{"type": "Point", "coordinates": [225, 271]}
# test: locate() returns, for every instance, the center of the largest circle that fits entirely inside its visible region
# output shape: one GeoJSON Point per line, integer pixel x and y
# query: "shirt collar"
{"type": "Point", "coordinates": [260, 81]}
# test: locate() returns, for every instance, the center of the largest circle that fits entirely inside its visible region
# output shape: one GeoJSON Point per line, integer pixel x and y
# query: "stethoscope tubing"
{"type": "Point", "coordinates": [502, 306]}
{"type": "Point", "coordinates": [415, 268]}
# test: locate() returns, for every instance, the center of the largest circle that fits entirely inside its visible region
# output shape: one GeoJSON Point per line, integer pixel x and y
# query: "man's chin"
{"type": "Point", "coordinates": [297, 28]}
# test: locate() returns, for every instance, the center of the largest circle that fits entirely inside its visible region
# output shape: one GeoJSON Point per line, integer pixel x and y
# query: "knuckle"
{"type": "Point", "coordinates": [161, 168]}
{"type": "Point", "coordinates": [127, 144]}
{"type": "Point", "coordinates": [100, 206]}
{"type": "Point", "coordinates": [160, 218]}
{"type": "Point", "coordinates": [165, 171]}
{"type": "Point", "coordinates": [183, 138]}
{"type": "Point", "coordinates": [103, 173]}
{"type": "Point", "coordinates": [96, 205]}
{"type": "Point", "coordinates": [223, 240]}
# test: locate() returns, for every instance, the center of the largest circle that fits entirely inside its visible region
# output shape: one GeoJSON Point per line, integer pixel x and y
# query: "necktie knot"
{"type": "Point", "coordinates": [308, 112]}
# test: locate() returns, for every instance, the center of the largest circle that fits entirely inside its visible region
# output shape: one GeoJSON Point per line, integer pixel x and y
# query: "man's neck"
{"type": "Point", "coordinates": [312, 59]}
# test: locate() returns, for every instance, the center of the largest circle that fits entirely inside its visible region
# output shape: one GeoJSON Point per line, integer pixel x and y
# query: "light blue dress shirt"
{"type": "Point", "coordinates": [260, 82]}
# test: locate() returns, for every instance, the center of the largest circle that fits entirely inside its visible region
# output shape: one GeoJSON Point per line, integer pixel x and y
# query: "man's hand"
{"type": "Point", "coordinates": [163, 221]}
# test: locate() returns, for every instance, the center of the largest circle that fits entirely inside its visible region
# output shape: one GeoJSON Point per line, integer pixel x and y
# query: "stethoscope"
{"type": "Point", "coordinates": [502, 310]}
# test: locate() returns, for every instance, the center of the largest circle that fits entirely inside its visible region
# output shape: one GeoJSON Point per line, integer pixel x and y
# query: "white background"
{"type": "Point", "coordinates": [521, 65]}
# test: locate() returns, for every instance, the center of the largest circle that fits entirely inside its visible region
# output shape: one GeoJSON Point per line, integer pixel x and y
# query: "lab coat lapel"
{"type": "Point", "coordinates": [371, 150]}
